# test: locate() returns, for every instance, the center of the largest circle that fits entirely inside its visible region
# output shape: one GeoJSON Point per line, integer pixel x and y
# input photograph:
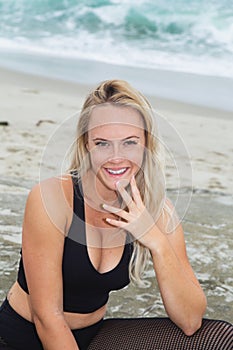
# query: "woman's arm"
{"type": "Point", "coordinates": [42, 246]}
{"type": "Point", "coordinates": [182, 295]}
{"type": "Point", "coordinates": [181, 292]}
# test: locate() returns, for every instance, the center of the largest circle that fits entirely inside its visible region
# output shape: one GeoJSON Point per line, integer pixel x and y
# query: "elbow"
{"type": "Point", "coordinates": [191, 328]}
{"type": "Point", "coordinates": [46, 320]}
{"type": "Point", "coordinates": [194, 322]}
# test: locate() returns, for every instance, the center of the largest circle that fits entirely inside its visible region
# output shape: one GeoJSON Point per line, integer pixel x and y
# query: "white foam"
{"type": "Point", "coordinates": [6, 212]}
{"type": "Point", "coordinates": [121, 53]}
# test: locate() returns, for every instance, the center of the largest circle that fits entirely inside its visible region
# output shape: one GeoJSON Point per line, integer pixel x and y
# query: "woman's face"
{"type": "Point", "coordinates": [116, 141]}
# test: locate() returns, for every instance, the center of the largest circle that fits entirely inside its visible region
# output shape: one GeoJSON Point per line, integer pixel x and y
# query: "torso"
{"type": "Point", "coordinates": [103, 260]}
{"type": "Point", "coordinates": [20, 302]}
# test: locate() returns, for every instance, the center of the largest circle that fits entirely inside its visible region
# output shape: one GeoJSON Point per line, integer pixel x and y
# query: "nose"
{"type": "Point", "coordinates": [116, 153]}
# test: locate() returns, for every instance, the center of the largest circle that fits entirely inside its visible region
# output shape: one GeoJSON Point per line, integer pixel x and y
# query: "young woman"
{"type": "Point", "coordinates": [93, 230]}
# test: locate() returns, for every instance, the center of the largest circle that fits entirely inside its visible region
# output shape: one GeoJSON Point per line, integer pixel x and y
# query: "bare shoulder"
{"type": "Point", "coordinates": [44, 230]}
{"type": "Point", "coordinates": [50, 200]}
{"type": "Point", "coordinates": [45, 222]}
{"type": "Point", "coordinates": [54, 186]}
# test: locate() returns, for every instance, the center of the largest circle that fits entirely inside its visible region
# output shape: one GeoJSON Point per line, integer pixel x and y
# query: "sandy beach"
{"type": "Point", "coordinates": [38, 116]}
{"type": "Point", "coordinates": [34, 107]}
{"type": "Point", "coordinates": [180, 56]}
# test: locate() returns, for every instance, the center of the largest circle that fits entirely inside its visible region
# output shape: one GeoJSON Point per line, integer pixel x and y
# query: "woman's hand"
{"type": "Point", "coordinates": [137, 220]}
{"type": "Point", "coordinates": [174, 274]}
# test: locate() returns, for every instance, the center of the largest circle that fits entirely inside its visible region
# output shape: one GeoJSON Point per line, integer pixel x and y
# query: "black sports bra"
{"type": "Point", "coordinates": [84, 288]}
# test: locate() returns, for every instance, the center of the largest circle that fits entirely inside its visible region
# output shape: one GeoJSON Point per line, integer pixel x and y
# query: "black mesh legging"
{"type": "Point", "coordinates": [159, 334]}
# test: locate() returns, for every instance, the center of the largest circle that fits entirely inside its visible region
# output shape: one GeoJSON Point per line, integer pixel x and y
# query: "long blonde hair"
{"type": "Point", "coordinates": [150, 179]}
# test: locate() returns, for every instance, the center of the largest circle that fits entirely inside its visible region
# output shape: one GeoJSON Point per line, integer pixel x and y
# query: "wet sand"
{"type": "Point", "coordinates": [208, 226]}
{"type": "Point", "coordinates": [34, 107]}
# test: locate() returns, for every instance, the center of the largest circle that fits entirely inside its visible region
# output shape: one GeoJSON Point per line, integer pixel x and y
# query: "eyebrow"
{"type": "Point", "coordinates": [127, 138]}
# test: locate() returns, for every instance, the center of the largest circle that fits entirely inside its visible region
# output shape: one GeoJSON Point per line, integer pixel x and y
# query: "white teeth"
{"type": "Point", "coordinates": [116, 172]}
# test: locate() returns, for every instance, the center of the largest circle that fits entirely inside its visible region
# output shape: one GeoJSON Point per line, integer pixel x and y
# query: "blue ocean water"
{"type": "Point", "coordinates": [183, 35]}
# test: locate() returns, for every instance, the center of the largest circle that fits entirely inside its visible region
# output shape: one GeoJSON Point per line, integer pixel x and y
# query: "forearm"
{"type": "Point", "coordinates": [55, 334]}
{"type": "Point", "coordinates": [183, 297]}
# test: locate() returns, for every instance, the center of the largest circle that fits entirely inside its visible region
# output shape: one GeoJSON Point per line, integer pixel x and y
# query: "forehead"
{"type": "Point", "coordinates": [115, 119]}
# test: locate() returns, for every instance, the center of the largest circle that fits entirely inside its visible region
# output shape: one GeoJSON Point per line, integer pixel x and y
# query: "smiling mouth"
{"type": "Point", "coordinates": [116, 172]}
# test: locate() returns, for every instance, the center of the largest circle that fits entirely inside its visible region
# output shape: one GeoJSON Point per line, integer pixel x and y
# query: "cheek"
{"type": "Point", "coordinates": [97, 158]}
{"type": "Point", "coordinates": [137, 156]}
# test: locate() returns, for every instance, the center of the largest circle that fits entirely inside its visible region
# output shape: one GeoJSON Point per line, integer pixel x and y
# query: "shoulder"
{"type": "Point", "coordinates": [52, 189]}
{"type": "Point", "coordinates": [51, 199]}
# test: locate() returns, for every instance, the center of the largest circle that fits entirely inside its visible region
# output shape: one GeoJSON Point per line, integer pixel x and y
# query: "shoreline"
{"type": "Point", "coordinates": [35, 107]}
{"type": "Point", "coordinates": [212, 91]}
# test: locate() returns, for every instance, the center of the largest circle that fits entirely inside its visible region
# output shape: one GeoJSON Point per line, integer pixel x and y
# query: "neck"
{"type": "Point", "coordinates": [95, 193]}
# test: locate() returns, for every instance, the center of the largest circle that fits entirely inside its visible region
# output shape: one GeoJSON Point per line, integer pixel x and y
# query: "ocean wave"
{"type": "Point", "coordinates": [169, 34]}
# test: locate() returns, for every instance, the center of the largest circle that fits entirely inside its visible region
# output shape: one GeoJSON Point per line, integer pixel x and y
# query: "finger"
{"type": "Point", "coordinates": [117, 211]}
{"type": "Point", "coordinates": [136, 193]}
{"type": "Point", "coordinates": [117, 223]}
{"type": "Point", "coordinates": [125, 196]}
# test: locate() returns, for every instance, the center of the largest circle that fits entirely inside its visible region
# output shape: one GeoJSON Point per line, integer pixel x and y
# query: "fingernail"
{"type": "Point", "coordinates": [118, 184]}
{"type": "Point", "coordinates": [122, 183]}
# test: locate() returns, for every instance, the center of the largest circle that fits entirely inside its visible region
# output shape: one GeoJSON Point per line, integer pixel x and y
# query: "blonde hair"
{"type": "Point", "coordinates": [150, 178]}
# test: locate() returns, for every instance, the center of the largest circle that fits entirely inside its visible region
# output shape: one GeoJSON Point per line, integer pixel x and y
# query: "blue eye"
{"type": "Point", "coordinates": [130, 142]}
{"type": "Point", "coordinates": [101, 144]}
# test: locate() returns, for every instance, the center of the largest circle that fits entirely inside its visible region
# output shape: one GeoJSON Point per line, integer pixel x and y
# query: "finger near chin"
{"type": "Point", "coordinates": [111, 209]}
{"type": "Point", "coordinates": [114, 222]}
{"type": "Point", "coordinates": [135, 192]}
{"type": "Point", "coordinates": [117, 212]}
{"type": "Point", "coordinates": [124, 194]}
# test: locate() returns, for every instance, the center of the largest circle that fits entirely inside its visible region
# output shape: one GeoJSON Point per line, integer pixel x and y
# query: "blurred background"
{"type": "Point", "coordinates": [65, 38]}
